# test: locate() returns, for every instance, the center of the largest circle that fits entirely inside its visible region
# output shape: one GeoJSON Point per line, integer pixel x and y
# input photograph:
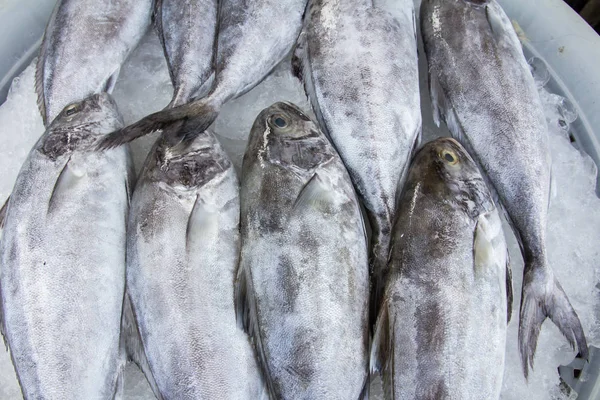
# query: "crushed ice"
{"type": "Point", "coordinates": [574, 220]}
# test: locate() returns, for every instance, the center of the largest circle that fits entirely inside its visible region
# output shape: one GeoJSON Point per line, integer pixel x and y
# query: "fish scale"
{"type": "Point", "coordinates": [303, 285]}
{"type": "Point", "coordinates": [84, 46]}
{"type": "Point", "coordinates": [182, 254]}
{"type": "Point", "coordinates": [253, 37]}
{"type": "Point", "coordinates": [63, 265]}
{"type": "Point", "coordinates": [359, 68]}
{"type": "Point", "coordinates": [187, 30]}
{"type": "Point", "coordinates": [441, 330]}
{"type": "Point", "coordinates": [482, 87]}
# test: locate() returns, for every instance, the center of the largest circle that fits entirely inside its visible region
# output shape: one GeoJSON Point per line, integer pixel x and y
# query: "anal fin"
{"type": "Point", "coordinates": [509, 289]}
{"type": "Point", "coordinates": [131, 342]}
{"type": "Point", "coordinates": [2, 329]}
{"type": "Point", "coordinates": [381, 346]}
{"type": "Point", "coordinates": [247, 318]}
{"type": "Point", "coordinates": [382, 351]}
{"type": "Point", "coordinates": [436, 94]}
{"type": "Point", "coordinates": [364, 393]}
{"type": "Point", "coordinates": [110, 83]}
{"type": "Point", "coordinates": [120, 384]}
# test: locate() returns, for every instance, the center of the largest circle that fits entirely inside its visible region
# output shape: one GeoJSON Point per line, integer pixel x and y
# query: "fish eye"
{"type": "Point", "coordinates": [449, 156]}
{"type": "Point", "coordinates": [70, 110]}
{"type": "Point", "coordinates": [279, 121]}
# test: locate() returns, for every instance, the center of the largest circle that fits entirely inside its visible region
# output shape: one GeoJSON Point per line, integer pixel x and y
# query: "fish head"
{"type": "Point", "coordinates": [81, 124]}
{"type": "Point", "coordinates": [283, 135]}
{"type": "Point", "coordinates": [444, 169]}
{"type": "Point", "coordinates": [187, 165]}
{"type": "Point", "coordinates": [96, 114]}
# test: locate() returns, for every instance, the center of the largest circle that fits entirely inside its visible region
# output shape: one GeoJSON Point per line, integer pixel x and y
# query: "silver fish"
{"type": "Point", "coordinates": [84, 46]}
{"type": "Point", "coordinates": [253, 37]}
{"type": "Point", "coordinates": [441, 331]}
{"type": "Point", "coordinates": [187, 30]}
{"type": "Point", "coordinates": [182, 255]}
{"type": "Point", "coordinates": [303, 283]}
{"type": "Point", "coordinates": [63, 258]}
{"type": "Point", "coordinates": [481, 86]}
{"type": "Point", "coordinates": [360, 71]}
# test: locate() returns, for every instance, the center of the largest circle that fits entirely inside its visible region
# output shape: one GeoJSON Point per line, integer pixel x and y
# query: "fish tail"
{"type": "Point", "coordinates": [203, 112]}
{"type": "Point", "coordinates": [543, 297]}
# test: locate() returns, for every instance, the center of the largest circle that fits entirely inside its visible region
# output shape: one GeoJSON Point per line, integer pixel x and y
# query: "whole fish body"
{"type": "Point", "coordinates": [441, 330]}
{"type": "Point", "coordinates": [482, 87]}
{"type": "Point", "coordinates": [182, 255]}
{"type": "Point", "coordinates": [187, 30]}
{"type": "Point", "coordinates": [63, 259]}
{"type": "Point", "coordinates": [84, 46]}
{"type": "Point", "coordinates": [303, 283]}
{"type": "Point", "coordinates": [359, 67]}
{"type": "Point", "coordinates": [253, 37]}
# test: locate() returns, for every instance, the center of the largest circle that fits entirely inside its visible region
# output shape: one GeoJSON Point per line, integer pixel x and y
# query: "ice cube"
{"type": "Point", "coordinates": [539, 70]}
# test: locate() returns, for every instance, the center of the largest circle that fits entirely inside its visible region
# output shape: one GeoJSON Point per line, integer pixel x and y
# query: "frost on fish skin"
{"type": "Point", "coordinates": [62, 255]}
{"type": "Point", "coordinates": [187, 30]}
{"type": "Point", "coordinates": [253, 38]}
{"type": "Point", "coordinates": [182, 255]}
{"type": "Point", "coordinates": [442, 326]}
{"type": "Point", "coordinates": [305, 278]}
{"type": "Point", "coordinates": [361, 74]}
{"type": "Point", "coordinates": [484, 90]}
{"type": "Point", "coordinates": [84, 46]}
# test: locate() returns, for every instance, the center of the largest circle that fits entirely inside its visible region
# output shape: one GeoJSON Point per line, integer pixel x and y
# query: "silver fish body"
{"type": "Point", "coordinates": [253, 37]}
{"type": "Point", "coordinates": [182, 252]}
{"type": "Point", "coordinates": [63, 258]}
{"type": "Point", "coordinates": [187, 30]}
{"type": "Point", "coordinates": [84, 46]}
{"type": "Point", "coordinates": [303, 283]}
{"type": "Point", "coordinates": [441, 330]}
{"type": "Point", "coordinates": [359, 67]}
{"type": "Point", "coordinates": [482, 87]}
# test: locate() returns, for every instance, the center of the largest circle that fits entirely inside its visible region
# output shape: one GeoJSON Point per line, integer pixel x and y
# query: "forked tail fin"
{"type": "Point", "coordinates": [543, 297]}
{"type": "Point", "coordinates": [203, 112]}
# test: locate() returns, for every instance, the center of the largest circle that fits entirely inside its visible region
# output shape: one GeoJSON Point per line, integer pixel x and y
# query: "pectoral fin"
{"type": "Point", "coordinates": [314, 194]}
{"type": "Point", "coordinates": [203, 224]}
{"type": "Point", "coordinates": [70, 176]}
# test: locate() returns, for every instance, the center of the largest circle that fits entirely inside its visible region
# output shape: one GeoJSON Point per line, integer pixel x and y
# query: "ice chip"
{"type": "Point", "coordinates": [567, 110]}
{"type": "Point", "coordinates": [539, 70]}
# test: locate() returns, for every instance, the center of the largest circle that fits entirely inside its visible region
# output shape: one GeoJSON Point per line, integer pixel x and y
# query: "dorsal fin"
{"type": "Point", "coordinates": [3, 212]}
{"type": "Point", "coordinates": [39, 68]}
{"type": "Point", "coordinates": [39, 84]}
